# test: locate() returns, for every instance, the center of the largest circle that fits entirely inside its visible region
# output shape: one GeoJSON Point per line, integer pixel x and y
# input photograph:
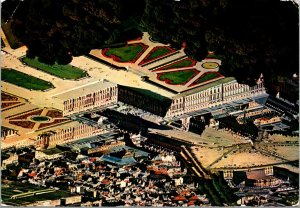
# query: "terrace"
{"type": "Point", "coordinates": [163, 66]}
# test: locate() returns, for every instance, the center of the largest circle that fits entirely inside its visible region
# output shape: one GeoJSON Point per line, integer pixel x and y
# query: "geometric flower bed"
{"type": "Point", "coordinates": [56, 121]}
{"type": "Point", "coordinates": [156, 53]}
{"type": "Point", "coordinates": [23, 124]}
{"type": "Point", "coordinates": [62, 71]}
{"type": "Point", "coordinates": [54, 114]}
{"type": "Point", "coordinates": [187, 62]}
{"type": "Point", "coordinates": [37, 119]}
{"type": "Point", "coordinates": [24, 80]}
{"type": "Point", "coordinates": [180, 77]}
{"type": "Point", "coordinates": [8, 104]}
{"type": "Point", "coordinates": [207, 77]}
{"type": "Point", "coordinates": [9, 101]}
{"type": "Point", "coordinates": [210, 65]}
{"type": "Point", "coordinates": [129, 53]}
{"type": "Point", "coordinates": [7, 97]}
{"type": "Point", "coordinates": [26, 115]}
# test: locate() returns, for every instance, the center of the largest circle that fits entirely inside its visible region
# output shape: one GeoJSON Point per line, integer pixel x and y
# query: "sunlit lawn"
{"type": "Point", "coordinates": [24, 80]}
{"type": "Point", "coordinates": [126, 53]}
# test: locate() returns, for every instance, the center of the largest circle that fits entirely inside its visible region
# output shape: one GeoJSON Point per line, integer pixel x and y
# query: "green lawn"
{"type": "Point", "coordinates": [179, 64]}
{"type": "Point", "coordinates": [158, 52]}
{"type": "Point", "coordinates": [126, 53]}
{"type": "Point", "coordinates": [177, 77]}
{"type": "Point", "coordinates": [24, 80]}
{"type": "Point", "coordinates": [206, 77]}
{"type": "Point", "coordinates": [61, 71]}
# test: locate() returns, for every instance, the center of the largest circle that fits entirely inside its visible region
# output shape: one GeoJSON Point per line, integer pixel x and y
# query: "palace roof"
{"type": "Point", "coordinates": [85, 89]}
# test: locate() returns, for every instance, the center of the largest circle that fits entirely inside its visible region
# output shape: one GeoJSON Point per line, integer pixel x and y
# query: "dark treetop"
{"type": "Point", "coordinates": [249, 36]}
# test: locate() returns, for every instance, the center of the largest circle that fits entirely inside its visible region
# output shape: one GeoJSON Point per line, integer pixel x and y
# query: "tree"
{"type": "Point", "coordinates": [74, 28]}
{"type": "Point", "coordinates": [250, 36]}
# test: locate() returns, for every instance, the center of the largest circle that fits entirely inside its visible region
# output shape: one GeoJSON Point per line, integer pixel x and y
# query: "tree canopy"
{"type": "Point", "coordinates": [58, 30]}
{"type": "Point", "coordinates": [250, 36]}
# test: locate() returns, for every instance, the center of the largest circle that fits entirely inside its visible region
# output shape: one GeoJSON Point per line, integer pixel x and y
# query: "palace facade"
{"type": "Point", "coordinates": [93, 96]}
{"type": "Point", "coordinates": [216, 96]}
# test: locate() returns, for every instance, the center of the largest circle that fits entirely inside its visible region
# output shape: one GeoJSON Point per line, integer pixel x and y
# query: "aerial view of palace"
{"type": "Point", "coordinates": [149, 103]}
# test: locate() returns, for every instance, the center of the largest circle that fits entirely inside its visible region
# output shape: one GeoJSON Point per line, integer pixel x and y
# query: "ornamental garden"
{"type": "Point", "coordinates": [162, 64]}
{"type": "Point", "coordinates": [208, 76]}
{"type": "Point", "coordinates": [157, 53]}
{"type": "Point", "coordinates": [177, 77]}
{"type": "Point", "coordinates": [129, 53]}
{"type": "Point", "coordinates": [38, 119]}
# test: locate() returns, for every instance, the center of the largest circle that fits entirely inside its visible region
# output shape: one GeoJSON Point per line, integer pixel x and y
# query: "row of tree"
{"type": "Point", "coordinates": [217, 191]}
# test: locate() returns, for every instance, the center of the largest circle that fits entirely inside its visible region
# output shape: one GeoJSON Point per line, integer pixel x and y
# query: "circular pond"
{"type": "Point", "coordinates": [210, 65]}
{"type": "Point", "coordinates": [41, 119]}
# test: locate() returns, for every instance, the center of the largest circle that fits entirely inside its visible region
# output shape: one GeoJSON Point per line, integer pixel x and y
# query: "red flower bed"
{"type": "Point", "coordinates": [26, 115]}
{"type": "Point", "coordinates": [6, 97]}
{"type": "Point", "coordinates": [23, 124]}
{"type": "Point", "coordinates": [118, 59]}
{"type": "Point", "coordinates": [146, 59]}
{"type": "Point", "coordinates": [5, 105]}
{"type": "Point", "coordinates": [54, 114]}
{"type": "Point", "coordinates": [56, 121]}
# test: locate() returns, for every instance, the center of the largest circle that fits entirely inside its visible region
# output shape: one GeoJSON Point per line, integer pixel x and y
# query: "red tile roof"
{"type": "Point", "coordinates": [105, 181]}
{"type": "Point", "coordinates": [194, 198]}
{"type": "Point", "coordinates": [179, 198]}
{"type": "Point", "coordinates": [190, 203]}
{"type": "Point", "coordinates": [32, 174]}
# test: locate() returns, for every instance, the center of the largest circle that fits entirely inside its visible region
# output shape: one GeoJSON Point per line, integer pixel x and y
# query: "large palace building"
{"type": "Point", "coordinates": [98, 95]}
{"type": "Point", "coordinates": [220, 97]}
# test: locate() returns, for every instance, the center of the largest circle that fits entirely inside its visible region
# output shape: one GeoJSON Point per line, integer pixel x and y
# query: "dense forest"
{"type": "Point", "coordinates": [249, 36]}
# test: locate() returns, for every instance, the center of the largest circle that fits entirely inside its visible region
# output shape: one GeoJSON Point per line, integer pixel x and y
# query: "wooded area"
{"type": "Point", "coordinates": [250, 36]}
